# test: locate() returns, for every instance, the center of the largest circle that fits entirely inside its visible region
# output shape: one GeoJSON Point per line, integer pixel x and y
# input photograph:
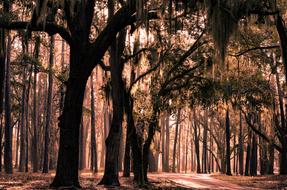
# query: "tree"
{"type": "Point", "coordinates": [94, 155]}
{"type": "Point", "coordinates": [49, 107]}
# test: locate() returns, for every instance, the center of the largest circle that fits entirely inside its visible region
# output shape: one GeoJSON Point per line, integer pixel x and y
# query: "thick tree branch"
{"type": "Point", "coordinates": [50, 28]}
{"type": "Point", "coordinates": [98, 48]}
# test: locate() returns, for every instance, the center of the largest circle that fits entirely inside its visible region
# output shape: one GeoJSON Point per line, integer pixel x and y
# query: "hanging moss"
{"type": "Point", "coordinates": [223, 17]}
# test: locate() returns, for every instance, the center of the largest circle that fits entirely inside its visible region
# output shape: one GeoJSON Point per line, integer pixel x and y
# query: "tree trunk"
{"type": "Point", "coordinates": [127, 157]}
{"type": "Point", "coordinates": [151, 131]}
{"type": "Point", "coordinates": [8, 128]}
{"type": "Point", "coordinates": [196, 142]}
{"type": "Point", "coordinates": [175, 140]}
{"type": "Point", "coordinates": [179, 150]}
{"type": "Point", "coordinates": [253, 159]}
{"type": "Point", "coordinates": [163, 159]}
{"type": "Point", "coordinates": [271, 159]}
{"type": "Point", "coordinates": [22, 130]}
{"type": "Point", "coordinates": [35, 111]}
{"type": "Point", "coordinates": [263, 153]}
{"type": "Point", "coordinates": [134, 140]}
{"type": "Point", "coordinates": [283, 159]}
{"type": "Point", "coordinates": [3, 56]}
{"type": "Point", "coordinates": [227, 133]}
{"type": "Point", "coordinates": [17, 145]}
{"type": "Point", "coordinates": [82, 151]}
{"type": "Point", "coordinates": [283, 41]}
{"type": "Point", "coordinates": [67, 168]}
{"type": "Point", "coordinates": [167, 135]}
{"type": "Point", "coordinates": [94, 155]}
{"type": "Point", "coordinates": [49, 107]}
{"type": "Point", "coordinates": [234, 150]}
{"type": "Point", "coordinates": [204, 143]}
{"type": "Point", "coordinates": [186, 147]}
{"type": "Point", "coordinates": [247, 161]}
{"type": "Point", "coordinates": [240, 145]}
{"type": "Point", "coordinates": [114, 138]}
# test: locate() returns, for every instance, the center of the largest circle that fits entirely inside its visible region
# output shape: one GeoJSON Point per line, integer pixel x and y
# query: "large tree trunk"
{"type": "Point", "coordinates": [67, 164]}
{"type": "Point", "coordinates": [2, 64]}
{"type": "Point", "coordinates": [114, 138]}
{"type": "Point", "coordinates": [134, 141]}
{"type": "Point", "coordinates": [49, 107]}
{"type": "Point", "coordinates": [23, 111]}
{"type": "Point", "coordinates": [227, 133]}
{"type": "Point", "coordinates": [82, 147]}
{"type": "Point", "coordinates": [175, 140]}
{"type": "Point", "coordinates": [94, 155]}
{"type": "Point", "coordinates": [8, 128]}
{"type": "Point", "coordinates": [35, 110]}
{"type": "Point", "coordinates": [283, 41]}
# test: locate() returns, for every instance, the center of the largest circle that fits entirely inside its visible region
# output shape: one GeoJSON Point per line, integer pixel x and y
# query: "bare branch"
{"type": "Point", "coordinates": [252, 49]}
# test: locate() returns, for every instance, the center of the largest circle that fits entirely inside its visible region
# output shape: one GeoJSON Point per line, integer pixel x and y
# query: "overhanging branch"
{"type": "Point", "coordinates": [252, 49]}
{"type": "Point", "coordinates": [50, 28]}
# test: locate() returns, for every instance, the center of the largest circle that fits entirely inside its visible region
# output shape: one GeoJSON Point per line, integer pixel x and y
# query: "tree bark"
{"type": "Point", "coordinates": [113, 141]}
{"type": "Point", "coordinates": [227, 133]}
{"type": "Point", "coordinates": [49, 108]}
{"type": "Point", "coordinates": [151, 131]}
{"type": "Point", "coordinates": [175, 140]}
{"type": "Point", "coordinates": [67, 164]}
{"type": "Point", "coordinates": [167, 135]}
{"type": "Point", "coordinates": [196, 142]}
{"type": "Point", "coordinates": [94, 155]}
{"type": "Point", "coordinates": [240, 147]}
{"type": "Point", "coordinates": [163, 159]}
{"type": "Point", "coordinates": [35, 110]}
{"type": "Point", "coordinates": [281, 30]}
{"type": "Point", "coordinates": [248, 153]}
{"type": "Point", "coordinates": [253, 159]}
{"type": "Point", "coordinates": [8, 128]}
{"type": "Point", "coordinates": [204, 143]}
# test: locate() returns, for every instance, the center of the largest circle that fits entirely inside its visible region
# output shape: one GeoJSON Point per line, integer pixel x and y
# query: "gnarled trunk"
{"type": "Point", "coordinates": [67, 164]}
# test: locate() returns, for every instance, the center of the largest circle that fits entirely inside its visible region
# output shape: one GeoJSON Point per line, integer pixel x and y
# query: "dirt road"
{"type": "Point", "coordinates": [196, 181]}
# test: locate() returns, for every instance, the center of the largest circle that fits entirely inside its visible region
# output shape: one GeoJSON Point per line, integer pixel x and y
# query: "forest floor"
{"type": "Point", "coordinates": [34, 181]}
{"type": "Point", "coordinates": [256, 182]}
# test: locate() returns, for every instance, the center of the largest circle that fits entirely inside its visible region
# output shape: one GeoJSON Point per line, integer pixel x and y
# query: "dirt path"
{"type": "Point", "coordinates": [196, 181]}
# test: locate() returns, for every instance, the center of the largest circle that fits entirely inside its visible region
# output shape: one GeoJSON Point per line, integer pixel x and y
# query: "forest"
{"type": "Point", "coordinates": [143, 94]}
